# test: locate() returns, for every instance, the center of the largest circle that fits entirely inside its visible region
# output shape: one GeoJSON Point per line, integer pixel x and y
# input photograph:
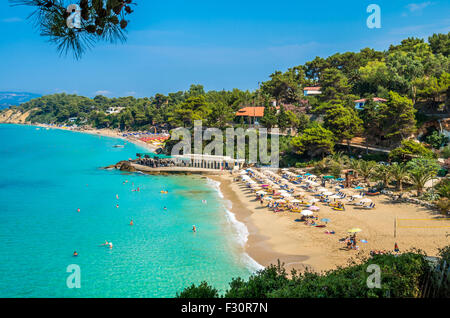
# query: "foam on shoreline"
{"type": "Point", "coordinates": [240, 228]}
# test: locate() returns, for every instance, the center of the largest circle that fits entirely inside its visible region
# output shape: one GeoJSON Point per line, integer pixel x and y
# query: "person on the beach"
{"type": "Point", "coordinates": [396, 249]}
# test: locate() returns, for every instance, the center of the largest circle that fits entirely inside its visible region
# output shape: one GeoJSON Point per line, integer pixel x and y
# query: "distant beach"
{"type": "Point", "coordinates": [102, 132]}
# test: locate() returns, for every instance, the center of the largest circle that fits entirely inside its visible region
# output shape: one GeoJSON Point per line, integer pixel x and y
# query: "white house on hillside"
{"type": "Point", "coordinates": [114, 110]}
{"type": "Point", "coordinates": [309, 91]}
{"type": "Point", "coordinates": [359, 104]}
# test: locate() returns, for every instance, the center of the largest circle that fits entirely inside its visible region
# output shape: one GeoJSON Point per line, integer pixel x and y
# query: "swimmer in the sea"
{"type": "Point", "coordinates": [131, 222]}
{"type": "Point", "coordinates": [194, 229]}
{"type": "Point", "coordinates": [75, 253]}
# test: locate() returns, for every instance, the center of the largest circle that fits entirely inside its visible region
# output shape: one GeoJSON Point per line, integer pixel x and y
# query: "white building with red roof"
{"type": "Point", "coordinates": [310, 91]}
{"type": "Point", "coordinates": [359, 103]}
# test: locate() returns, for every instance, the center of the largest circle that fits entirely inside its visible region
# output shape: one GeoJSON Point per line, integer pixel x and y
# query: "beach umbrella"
{"type": "Point", "coordinates": [328, 193]}
{"type": "Point", "coordinates": [335, 197]}
{"type": "Point", "coordinates": [280, 201]}
{"type": "Point", "coordinates": [295, 201]}
{"type": "Point", "coordinates": [340, 179]}
{"type": "Point", "coordinates": [357, 196]}
{"type": "Point", "coordinates": [313, 208]}
{"type": "Point", "coordinates": [354, 230]}
{"type": "Point", "coordinates": [325, 220]}
{"type": "Point", "coordinates": [328, 177]}
{"type": "Point", "coordinates": [367, 200]}
{"type": "Point", "coordinates": [307, 213]}
{"type": "Point", "coordinates": [313, 200]}
{"type": "Point", "coordinates": [314, 184]}
{"type": "Point", "coordinates": [261, 192]}
{"type": "Point", "coordinates": [322, 189]}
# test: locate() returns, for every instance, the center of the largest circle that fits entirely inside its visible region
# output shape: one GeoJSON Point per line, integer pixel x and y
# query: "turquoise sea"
{"type": "Point", "coordinates": [47, 175]}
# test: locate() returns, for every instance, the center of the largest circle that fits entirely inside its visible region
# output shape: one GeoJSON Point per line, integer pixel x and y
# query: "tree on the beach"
{"type": "Point", "coordinates": [410, 149]}
{"type": "Point", "coordinates": [366, 169]}
{"type": "Point", "coordinates": [99, 21]}
{"type": "Point", "coordinates": [421, 170]}
{"type": "Point", "coordinates": [334, 85]}
{"type": "Point", "coordinates": [315, 141]}
{"type": "Point", "coordinates": [343, 122]}
{"type": "Point", "coordinates": [285, 87]}
{"type": "Point", "coordinates": [399, 173]}
{"type": "Point", "coordinates": [269, 118]}
{"type": "Point", "coordinates": [383, 173]}
{"type": "Point", "coordinates": [399, 119]}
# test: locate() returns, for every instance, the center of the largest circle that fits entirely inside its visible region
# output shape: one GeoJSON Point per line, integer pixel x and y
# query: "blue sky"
{"type": "Point", "coordinates": [220, 44]}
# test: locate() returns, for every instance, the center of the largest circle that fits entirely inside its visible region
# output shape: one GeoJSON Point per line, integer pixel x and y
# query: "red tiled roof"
{"type": "Point", "coordinates": [312, 88]}
{"type": "Point", "coordinates": [375, 99]}
{"type": "Point", "coordinates": [251, 111]}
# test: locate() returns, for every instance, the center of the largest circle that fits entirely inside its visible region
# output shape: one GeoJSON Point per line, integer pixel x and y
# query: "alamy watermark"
{"type": "Point", "coordinates": [74, 279]}
{"type": "Point", "coordinates": [374, 20]}
{"type": "Point", "coordinates": [237, 143]}
{"type": "Point", "coordinates": [374, 279]}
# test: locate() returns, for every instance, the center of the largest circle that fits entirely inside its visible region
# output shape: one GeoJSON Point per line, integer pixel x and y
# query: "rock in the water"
{"type": "Point", "coordinates": [125, 166]}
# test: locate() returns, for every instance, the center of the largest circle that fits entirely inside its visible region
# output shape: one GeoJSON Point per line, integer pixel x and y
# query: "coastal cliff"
{"type": "Point", "coordinates": [12, 116]}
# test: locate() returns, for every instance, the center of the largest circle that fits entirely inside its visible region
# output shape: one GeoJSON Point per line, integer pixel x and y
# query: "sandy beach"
{"type": "Point", "coordinates": [106, 133]}
{"type": "Point", "coordinates": [276, 236]}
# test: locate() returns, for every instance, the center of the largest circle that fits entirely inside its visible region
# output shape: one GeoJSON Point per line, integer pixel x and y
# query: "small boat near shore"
{"type": "Point", "coordinates": [118, 146]}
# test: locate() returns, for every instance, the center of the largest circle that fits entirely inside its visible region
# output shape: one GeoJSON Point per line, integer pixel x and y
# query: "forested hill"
{"type": "Point", "coordinates": [412, 78]}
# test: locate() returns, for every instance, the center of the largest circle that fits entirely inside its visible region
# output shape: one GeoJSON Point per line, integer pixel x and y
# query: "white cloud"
{"type": "Point", "coordinates": [103, 92]}
{"type": "Point", "coordinates": [416, 7]}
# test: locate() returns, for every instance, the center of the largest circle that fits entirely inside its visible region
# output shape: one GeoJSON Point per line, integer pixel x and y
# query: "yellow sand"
{"type": "Point", "coordinates": [276, 236]}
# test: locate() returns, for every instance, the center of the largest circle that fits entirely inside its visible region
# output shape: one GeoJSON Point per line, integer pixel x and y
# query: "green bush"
{"type": "Point", "coordinates": [401, 276]}
{"type": "Point", "coordinates": [201, 291]}
{"type": "Point", "coordinates": [445, 152]}
{"type": "Point", "coordinates": [410, 149]}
